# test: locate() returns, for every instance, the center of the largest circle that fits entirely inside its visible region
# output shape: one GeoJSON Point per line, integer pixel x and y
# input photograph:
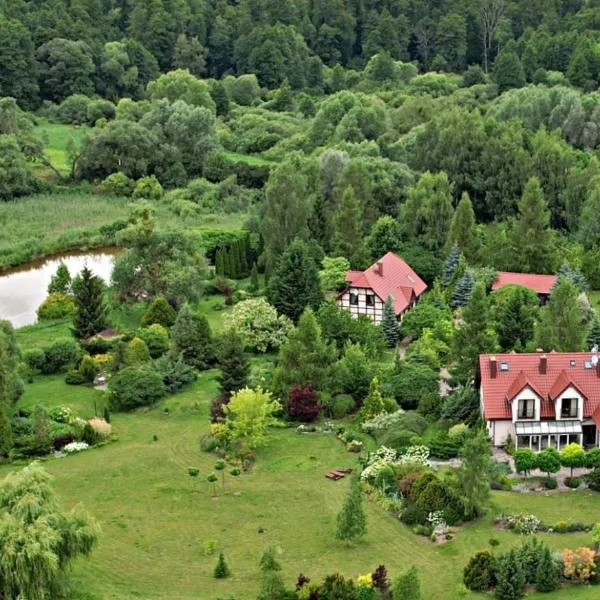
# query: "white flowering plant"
{"type": "Point", "coordinates": [382, 421]}
{"type": "Point", "coordinates": [75, 447]}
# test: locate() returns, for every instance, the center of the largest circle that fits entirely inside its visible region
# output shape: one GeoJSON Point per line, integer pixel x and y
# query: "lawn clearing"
{"type": "Point", "coordinates": [155, 518]}
{"type": "Point", "coordinates": [56, 138]}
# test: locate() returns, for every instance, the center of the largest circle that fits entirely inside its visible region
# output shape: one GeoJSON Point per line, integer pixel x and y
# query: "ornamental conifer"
{"type": "Point", "coordinates": [463, 290]}
{"type": "Point", "coordinates": [511, 578]}
{"type": "Point", "coordinates": [351, 521]}
{"type": "Point", "coordinates": [389, 323]}
{"type": "Point", "coordinates": [451, 265]}
{"type": "Point", "coordinates": [234, 364]}
{"type": "Point", "coordinates": [91, 314]}
{"type": "Point", "coordinates": [546, 577]}
{"type": "Point", "coordinates": [221, 570]}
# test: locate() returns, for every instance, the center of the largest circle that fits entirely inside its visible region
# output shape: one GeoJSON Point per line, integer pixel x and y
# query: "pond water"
{"type": "Point", "coordinates": [24, 288]}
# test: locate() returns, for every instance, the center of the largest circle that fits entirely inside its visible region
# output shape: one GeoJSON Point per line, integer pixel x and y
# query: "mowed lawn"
{"type": "Point", "coordinates": [58, 137]}
{"type": "Point", "coordinates": [155, 519]}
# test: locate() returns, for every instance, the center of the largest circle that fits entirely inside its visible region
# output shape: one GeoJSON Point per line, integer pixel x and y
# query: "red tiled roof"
{"type": "Point", "coordinates": [540, 284]}
{"type": "Point", "coordinates": [523, 370]}
{"type": "Point", "coordinates": [398, 280]}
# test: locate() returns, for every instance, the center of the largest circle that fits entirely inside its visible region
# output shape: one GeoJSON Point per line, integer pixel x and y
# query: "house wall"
{"type": "Point", "coordinates": [373, 312]}
{"type": "Point", "coordinates": [499, 430]}
{"type": "Point", "coordinates": [526, 394]}
{"type": "Point", "coordinates": [570, 392]}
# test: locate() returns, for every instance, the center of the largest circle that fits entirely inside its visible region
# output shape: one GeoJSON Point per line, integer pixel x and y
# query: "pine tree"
{"type": "Point", "coordinates": [91, 314]}
{"type": "Point", "coordinates": [373, 404]}
{"type": "Point", "coordinates": [463, 290]}
{"type": "Point", "coordinates": [221, 570]}
{"type": "Point", "coordinates": [348, 237]}
{"type": "Point", "coordinates": [515, 311]}
{"type": "Point", "coordinates": [451, 265]}
{"type": "Point", "coordinates": [351, 521]}
{"type": "Point", "coordinates": [531, 235]}
{"type": "Point", "coordinates": [254, 280]}
{"type": "Point", "coordinates": [233, 363]}
{"type": "Point", "coordinates": [474, 336]}
{"type": "Point", "coordinates": [462, 228]}
{"type": "Point", "coordinates": [546, 577]}
{"type": "Point", "coordinates": [389, 323]}
{"type": "Point", "coordinates": [295, 284]}
{"type": "Point", "coordinates": [593, 338]}
{"type": "Point", "coordinates": [193, 338]}
{"type": "Point", "coordinates": [407, 586]}
{"type": "Point", "coordinates": [511, 578]}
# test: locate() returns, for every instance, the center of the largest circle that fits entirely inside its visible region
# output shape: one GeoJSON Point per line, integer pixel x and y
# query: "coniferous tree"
{"type": "Point", "coordinates": [91, 311]}
{"type": "Point", "coordinates": [473, 474]}
{"type": "Point", "coordinates": [575, 275]}
{"type": "Point", "coordinates": [451, 265]}
{"type": "Point", "coordinates": [463, 290]}
{"type": "Point", "coordinates": [220, 263]}
{"type": "Point", "coordinates": [193, 338]}
{"type": "Point", "coordinates": [233, 363]}
{"type": "Point", "coordinates": [462, 228]}
{"type": "Point", "coordinates": [159, 312]}
{"type": "Point", "coordinates": [407, 586]}
{"type": "Point", "coordinates": [389, 323]}
{"type": "Point", "coordinates": [508, 70]}
{"type": "Point", "coordinates": [60, 281]}
{"type": "Point", "coordinates": [295, 285]}
{"type": "Point", "coordinates": [348, 238]}
{"type": "Point", "coordinates": [254, 280]}
{"type": "Point", "coordinates": [351, 521]}
{"type": "Point", "coordinates": [221, 569]}
{"type": "Point", "coordinates": [593, 338]}
{"type": "Point", "coordinates": [531, 235]}
{"type": "Point", "coordinates": [546, 576]}
{"type": "Point", "coordinates": [373, 404]}
{"type": "Point", "coordinates": [511, 578]}
{"type": "Point", "coordinates": [473, 337]}
{"type": "Point", "coordinates": [515, 312]}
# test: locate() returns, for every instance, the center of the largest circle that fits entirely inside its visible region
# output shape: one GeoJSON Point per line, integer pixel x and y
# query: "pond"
{"type": "Point", "coordinates": [24, 288]}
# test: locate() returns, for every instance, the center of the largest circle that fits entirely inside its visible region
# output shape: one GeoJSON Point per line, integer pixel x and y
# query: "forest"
{"type": "Point", "coordinates": [235, 162]}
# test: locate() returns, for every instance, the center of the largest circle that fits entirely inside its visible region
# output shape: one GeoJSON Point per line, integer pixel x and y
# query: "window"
{"type": "Point", "coordinates": [587, 364]}
{"type": "Point", "coordinates": [504, 366]}
{"type": "Point", "coordinates": [353, 299]}
{"type": "Point", "coordinates": [370, 300]}
{"type": "Point", "coordinates": [526, 409]}
{"type": "Point", "coordinates": [572, 363]}
{"type": "Point", "coordinates": [568, 408]}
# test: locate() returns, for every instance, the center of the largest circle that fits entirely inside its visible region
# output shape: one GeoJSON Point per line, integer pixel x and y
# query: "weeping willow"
{"type": "Point", "coordinates": [38, 538]}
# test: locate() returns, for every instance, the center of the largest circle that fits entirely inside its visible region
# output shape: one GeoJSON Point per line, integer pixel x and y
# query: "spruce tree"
{"type": "Point", "coordinates": [91, 312]}
{"type": "Point", "coordinates": [451, 265]}
{"type": "Point", "coordinates": [233, 363]}
{"type": "Point", "coordinates": [407, 586]}
{"type": "Point", "coordinates": [593, 337]}
{"type": "Point", "coordinates": [473, 337]}
{"type": "Point", "coordinates": [463, 290]}
{"type": "Point", "coordinates": [351, 521]}
{"type": "Point", "coordinates": [254, 280]}
{"type": "Point", "coordinates": [575, 275]}
{"type": "Point", "coordinates": [389, 323]}
{"type": "Point", "coordinates": [295, 284]}
{"type": "Point", "coordinates": [193, 338]}
{"type": "Point", "coordinates": [531, 235]}
{"type": "Point", "coordinates": [515, 312]}
{"type": "Point", "coordinates": [546, 577]}
{"type": "Point", "coordinates": [221, 569]}
{"type": "Point", "coordinates": [462, 228]}
{"type": "Point", "coordinates": [348, 236]}
{"type": "Point", "coordinates": [511, 578]}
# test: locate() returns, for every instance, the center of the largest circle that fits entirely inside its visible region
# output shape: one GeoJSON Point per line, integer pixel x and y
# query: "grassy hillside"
{"type": "Point", "coordinates": [57, 138]}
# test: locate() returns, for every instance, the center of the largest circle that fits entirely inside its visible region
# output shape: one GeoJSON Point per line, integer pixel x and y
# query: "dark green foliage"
{"type": "Point", "coordinates": [508, 70]}
{"type": "Point", "coordinates": [60, 281]}
{"type": "Point", "coordinates": [462, 406]}
{"type": "Point", "coordinates": [221, 569]}
{"type": "Point", "coordinates": [575, 275]}
{"type": "Point", "coordinates": [409, 382]}
{"type": "Point", "coordinates": [463, 290]}
{"type": "Point", "coordinates": [407, 586]}
{"type": "Point", "coordinates": [106, 414]}
{"type": "Point", "coordinates": [511, 577]}
{"type": "Point", "coordinates": [161, 312]}
{"type": "Point", "coordinates": [193, 338]}
{"type": "Point", "coordinates": [525, 460]}
{"type": "Point", "coordinates": [89, 301]}
{"type": "Point", "coordinates": [548, 461]}
{"type": "Point", "coordinates": [546, 576]}
{"type": "Point", "coordinates": [351, 521]}
{"type": "Point", "coordinates": [132, 388]}
{"type": "Point", "coordinates": [175, 373]}
{"type": "Point", "coordinates": [480, 573]}
{"type": "Point", "coordinates": [254, 281]}
{"type": "Point", "coordinates": [514, 309]}
{"type": "Point", "coordinates": [294, 285]}
{"type": "Point", "coordinates": [234, 364]}
{"type": "Point", "coordinates": [389, 323]}
{"type": "Point", "coordinates": [451, 265]}
{"type": "Point", "coordinates": [53, 358]}
{"type": "Point", "coordinates": [593, 337]}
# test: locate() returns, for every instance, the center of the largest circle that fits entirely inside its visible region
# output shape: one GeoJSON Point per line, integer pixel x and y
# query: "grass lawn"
{"type": "Point", "coordinates": [57, 137]}
{"type": "Point", "coordinates": [155, 518]}
{"type": "Point", "coordinates": [251, 159]}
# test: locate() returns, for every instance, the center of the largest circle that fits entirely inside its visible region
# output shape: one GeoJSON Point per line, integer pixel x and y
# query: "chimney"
{"type": "Point", "coordinates": [493, 367]}
{"type": "Point", "coordinates": [379, 268]}
{"type": "Point", "coordinates": [543, 364]}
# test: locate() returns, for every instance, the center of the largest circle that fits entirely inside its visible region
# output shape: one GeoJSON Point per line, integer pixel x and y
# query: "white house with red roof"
{"type": "Point", "coordinates": [541, 399]}
{"type": "Point", "coordinates": [367, 291]}
{"type": "Point", "coordinates": [541, 284]}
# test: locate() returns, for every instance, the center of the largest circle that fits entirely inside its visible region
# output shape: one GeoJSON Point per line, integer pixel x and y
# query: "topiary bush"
{"type": "Point", "coordinates": [573, 482]}
{"type": "Point", "coordinates": [303, 403]}
{"type": "Point", "coordinates": [53, 358]}
{"type": "Point", "coordinates": [132, 387]}
{"type": "Point", "coordinates": [156, 338]}
{"type": "Point", "coordinates": [161, 312]}
{"type": "Point", "coordinates": [480, 573]}
{"type": "Point", "coordinates": [550, 483]}
{"type": "Point", "coordinates": [56, 306]}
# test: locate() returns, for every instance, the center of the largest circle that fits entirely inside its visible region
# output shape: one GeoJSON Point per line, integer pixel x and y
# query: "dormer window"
{"type": "Point", "coordinates": [572, 363]}
{"type": "Point", "coordinates": [526, 408]}
{"type": "Point", "coordinates": [504, 366]}
{"type": "Point", "coordinates": [568, 408]}
{"type": "Point", "coordinates": [587, 364]}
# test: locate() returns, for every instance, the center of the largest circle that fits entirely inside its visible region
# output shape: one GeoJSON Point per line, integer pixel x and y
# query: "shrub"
{"type": "Point", "coordinates": [156, 338]}
{"type": "Point", "coordinates": [57, 305]}
{"type": "Point", "coordinates": [175, 373]}
{"type": "Point", "coordinates": [480, 573]}
{"type": "Point", "coordinates": [132, 388]}
{"type": "Point", "coordinates": [88, 369]}
{"type": "Point", "coordinates": [579, 564]}
{"type": "Point", "coordinates": [73, 109]}
{"type": "Point", "coordinates": [148, 188]}
{"type": "Point", "coordinates": [221, 570]}
{"type": "Point", "coordinates": [101, 427]}
{"type": "Point", "coordinates": [117, 184]}
{"type": "Point", "coordinates": [413, 515]}
{"type": "Point", "coordinates": [522, 523]}
{"type": "Point", "coordinates": [573, 482]}
{"type": "Point", "coordinates": [550, 483]}
{"type": "Point", "coordinates": [341, 405]}
{"type": "Point", "coordinates": [74, 377]}
{"type": "Point", "coordinates": [53, 358]}
{"type": "Point", "coordinates": [161, 312]}
{"type": "Point", "coordinates": [303, 403]}
{"type": "Point", "coordinates": [593, 479]}
{"type": "Point", "coordinates": [137, 353]}
{"type": "Point", "coordinates": [525, 460]}
{"type": "Point", "coordinates": [100, 109]}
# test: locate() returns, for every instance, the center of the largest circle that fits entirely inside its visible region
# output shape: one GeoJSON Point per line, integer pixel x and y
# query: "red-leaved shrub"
{"type": "Point", "coordinates": [303, 403]}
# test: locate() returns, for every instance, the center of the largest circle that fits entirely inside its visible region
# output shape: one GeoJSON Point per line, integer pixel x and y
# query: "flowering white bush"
{"type": "Point", "coordinates": [415, 455]}
{"type": "Point", "coordinates": [436, 518]}
{"type": "Point", "coordinates": [380, 459]}
{"type": "Point", "coordinates": [259, 325]}
{"type": "Point", "coordinates": [382, 421]}
{"type": "Point", "coordinates": [75, 447]}
{"type": "Point", "coordinates": [521, 523]}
